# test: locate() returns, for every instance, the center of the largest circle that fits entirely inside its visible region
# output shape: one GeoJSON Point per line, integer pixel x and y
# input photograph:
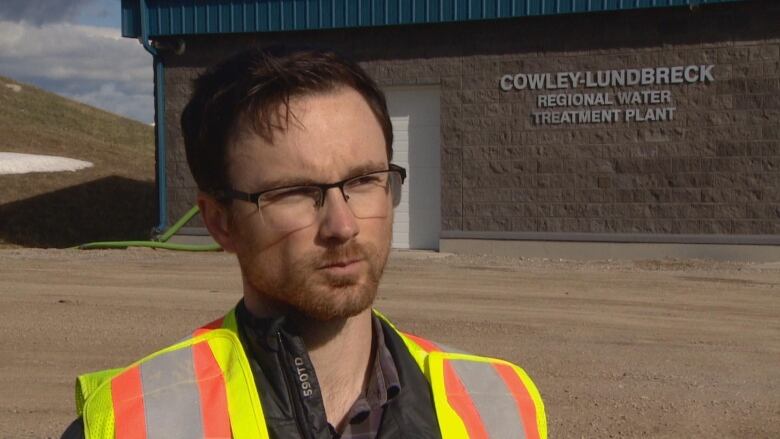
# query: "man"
{"type": "Point", "coordinates": [291, 151]}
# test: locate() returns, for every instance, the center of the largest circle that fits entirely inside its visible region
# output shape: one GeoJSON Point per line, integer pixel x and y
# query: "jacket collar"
{"type": "Point", "coordinates": [277, 353]}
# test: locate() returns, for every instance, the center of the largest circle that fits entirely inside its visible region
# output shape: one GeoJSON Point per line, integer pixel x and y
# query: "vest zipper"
{"type": "Point", "coordinates": [295, 400]}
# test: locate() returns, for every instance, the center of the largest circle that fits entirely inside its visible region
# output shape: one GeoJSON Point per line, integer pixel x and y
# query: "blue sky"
{"type": "Point", "coordinates": [106, 13]}
{"type": "Point", "coordinates": [74, 48]}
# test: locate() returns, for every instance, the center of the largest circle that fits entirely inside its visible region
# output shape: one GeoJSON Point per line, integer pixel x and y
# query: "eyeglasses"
{"type": "Point", "coordinates": [295, 207]}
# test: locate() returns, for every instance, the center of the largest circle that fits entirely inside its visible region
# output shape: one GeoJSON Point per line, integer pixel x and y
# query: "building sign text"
{"type": "Point", "coordinates": [588, 107]}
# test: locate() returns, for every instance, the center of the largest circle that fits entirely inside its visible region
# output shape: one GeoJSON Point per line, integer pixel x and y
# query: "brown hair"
{"type": "Point", "coordinates": [248, 89]}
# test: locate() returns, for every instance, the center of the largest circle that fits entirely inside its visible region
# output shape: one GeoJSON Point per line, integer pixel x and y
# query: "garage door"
{"type": "Point", "coordinates": [414, 112]}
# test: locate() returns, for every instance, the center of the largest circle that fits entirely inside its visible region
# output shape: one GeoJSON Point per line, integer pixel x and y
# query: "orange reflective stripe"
{"type": "Point", "coordinates": [213, 397]}
{"type": "Point", "coordinates": [127, 397]}
{"type": "Point", "coordinates": [216, 324]}
{"type": "Point", "coordinates": [524, 402]}
{"type": "Point", "coordinates": [428, 346]}
{"type": "Point", "coordinates": [461, 402]}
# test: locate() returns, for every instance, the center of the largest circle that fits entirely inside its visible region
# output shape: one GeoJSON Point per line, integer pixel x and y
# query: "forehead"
{"type": "Point", "coordinates": [327, 136]}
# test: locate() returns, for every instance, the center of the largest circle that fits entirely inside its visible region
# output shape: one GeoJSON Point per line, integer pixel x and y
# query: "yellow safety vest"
{"type": "Point", "coordinates": [203, 387]}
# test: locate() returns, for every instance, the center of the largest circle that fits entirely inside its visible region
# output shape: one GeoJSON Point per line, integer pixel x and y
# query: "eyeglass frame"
{"type": "Point", "coordinates": [232, 194]}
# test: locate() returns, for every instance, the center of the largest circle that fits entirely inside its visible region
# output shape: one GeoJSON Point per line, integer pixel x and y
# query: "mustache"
{"type": "Point", "coordinates": [348, 252]}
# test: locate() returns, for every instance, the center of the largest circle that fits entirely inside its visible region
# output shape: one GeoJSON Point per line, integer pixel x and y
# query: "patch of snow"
{"type": "Point", "coordinates": [15, 87]}
{"type": "Point", "coordinates": [17, 163]}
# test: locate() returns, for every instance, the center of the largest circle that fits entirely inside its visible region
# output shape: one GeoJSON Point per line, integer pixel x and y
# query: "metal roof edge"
{"type": "Point", "coordinates": [202, 17]}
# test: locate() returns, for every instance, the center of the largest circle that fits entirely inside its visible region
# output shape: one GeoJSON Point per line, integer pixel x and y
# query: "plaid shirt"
{"type": "Point", "coordinates": [365, 415]}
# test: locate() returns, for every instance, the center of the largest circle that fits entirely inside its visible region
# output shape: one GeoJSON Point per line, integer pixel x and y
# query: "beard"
{"type": "Point", "coordinates": [303, 288]}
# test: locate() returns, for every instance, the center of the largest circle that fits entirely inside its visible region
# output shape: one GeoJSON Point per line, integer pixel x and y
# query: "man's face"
{"type": "Point", "coordinates": [330, 269]}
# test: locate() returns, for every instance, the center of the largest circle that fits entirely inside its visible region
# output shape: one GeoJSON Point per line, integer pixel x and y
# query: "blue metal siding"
{"type": "Point", "coordinates": [179, 17]}
{"type": "Point", "coordinates": [131, 19]}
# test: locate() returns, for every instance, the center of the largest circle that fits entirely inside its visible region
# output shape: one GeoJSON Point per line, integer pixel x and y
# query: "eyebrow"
{"type": "Point", "coordinates": [354, 171]}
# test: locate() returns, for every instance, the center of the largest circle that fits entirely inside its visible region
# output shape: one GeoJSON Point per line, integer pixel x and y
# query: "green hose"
{"type": "Point", "coordinates": [160, 242]}
{"type": "Point", "coordinates": [179, 224]}
{"type": "Point", "coordinates": [150, 244]}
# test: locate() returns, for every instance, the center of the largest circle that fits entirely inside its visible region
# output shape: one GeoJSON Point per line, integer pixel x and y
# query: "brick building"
{"type": "Point", "coordinates": [600, 128]}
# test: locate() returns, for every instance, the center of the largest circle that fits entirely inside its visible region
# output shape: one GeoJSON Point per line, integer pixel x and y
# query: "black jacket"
{"type": "Point", "coordinates": [272, 345]}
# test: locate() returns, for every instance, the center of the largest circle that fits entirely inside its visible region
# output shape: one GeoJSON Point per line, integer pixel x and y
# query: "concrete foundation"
{"type": "Point", "coordinates": [611, 250]}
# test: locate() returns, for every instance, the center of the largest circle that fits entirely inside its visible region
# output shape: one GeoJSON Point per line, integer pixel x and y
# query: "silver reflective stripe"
{"type": "Point", "coordinates": [171, 396]}
{"type": "Point", "coordinates": [492, 398]}
{"type": "Point", "coordinates": [449, 349]}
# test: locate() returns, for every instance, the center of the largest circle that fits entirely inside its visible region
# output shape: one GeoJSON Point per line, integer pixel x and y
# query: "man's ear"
{"type": "Point", "coordinates": [217, 220]}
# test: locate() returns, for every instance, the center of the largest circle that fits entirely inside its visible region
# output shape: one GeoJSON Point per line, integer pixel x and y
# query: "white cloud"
{"type": "Point", "coordinates": [92, 64]}
{"type": "Point", "coordinates": [120, 102]}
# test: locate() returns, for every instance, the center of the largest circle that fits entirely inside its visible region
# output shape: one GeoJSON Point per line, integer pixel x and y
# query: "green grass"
{"type": "Point", "coordinates": [112, 200]}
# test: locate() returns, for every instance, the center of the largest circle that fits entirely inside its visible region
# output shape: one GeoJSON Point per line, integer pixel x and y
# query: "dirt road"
{"type": "Point", "coordinates": [667, 349]}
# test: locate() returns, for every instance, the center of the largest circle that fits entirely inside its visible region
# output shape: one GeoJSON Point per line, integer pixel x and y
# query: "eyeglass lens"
{"type": "Point", "coordinates": [368, 196]}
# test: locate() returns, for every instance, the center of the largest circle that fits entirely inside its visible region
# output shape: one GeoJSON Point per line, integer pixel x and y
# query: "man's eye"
{"type": "Point", "coordinates": [365, 180]}
{"type": "Point", "coordinates": [290, 196]}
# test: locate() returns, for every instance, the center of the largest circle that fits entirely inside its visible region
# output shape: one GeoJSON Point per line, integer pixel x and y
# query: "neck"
{"type": "Point", "coordinates": [340, 351]}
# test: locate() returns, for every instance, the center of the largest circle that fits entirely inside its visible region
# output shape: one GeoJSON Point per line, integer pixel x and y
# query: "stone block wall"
{"type": "Point", "coordinates": [713, 169]}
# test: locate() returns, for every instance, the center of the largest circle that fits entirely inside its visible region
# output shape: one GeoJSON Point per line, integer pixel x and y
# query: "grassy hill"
{"type": "Point", "coordinates": [114, 199]}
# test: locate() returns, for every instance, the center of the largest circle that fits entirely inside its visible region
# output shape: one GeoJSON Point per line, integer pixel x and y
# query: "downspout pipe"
{"type": "Point", "coordinates": [159, 121]}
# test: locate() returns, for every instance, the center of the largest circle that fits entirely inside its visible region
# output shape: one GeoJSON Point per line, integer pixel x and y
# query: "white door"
{"type": "Point", "coordinates": [414, 112]}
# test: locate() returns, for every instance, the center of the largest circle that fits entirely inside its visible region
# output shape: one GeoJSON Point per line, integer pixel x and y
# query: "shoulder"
{"type": "Point", "coordinates": [190, 367]}
{"type": "Point", "coordinates": [429, 354]}
{"type": "Point", "coordinates": [475, 394]}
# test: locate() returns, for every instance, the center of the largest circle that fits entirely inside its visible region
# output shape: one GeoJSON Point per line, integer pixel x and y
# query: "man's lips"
{"type": "Point", "coordinates": [340, 264]}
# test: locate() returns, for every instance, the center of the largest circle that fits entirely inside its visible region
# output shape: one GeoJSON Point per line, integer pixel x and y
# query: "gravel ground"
{"type": "Point", "coordinates": [660, 348]}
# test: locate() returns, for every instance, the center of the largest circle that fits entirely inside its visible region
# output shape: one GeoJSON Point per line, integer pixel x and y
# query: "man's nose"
{"type": "Point", "coordinates": [337, 220]}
